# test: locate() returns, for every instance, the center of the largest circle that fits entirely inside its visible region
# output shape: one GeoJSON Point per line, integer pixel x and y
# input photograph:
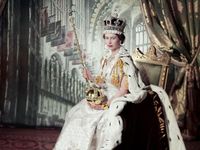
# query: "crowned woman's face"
{"type": "Point", "coordinates": [112, 41]}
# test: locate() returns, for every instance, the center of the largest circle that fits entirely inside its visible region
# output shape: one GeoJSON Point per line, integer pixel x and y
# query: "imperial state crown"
{"type": "Point", "coordinates": [114, 23]}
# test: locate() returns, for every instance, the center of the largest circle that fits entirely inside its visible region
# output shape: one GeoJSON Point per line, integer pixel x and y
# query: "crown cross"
{"type": "Point", "coordinates": [117, 22]}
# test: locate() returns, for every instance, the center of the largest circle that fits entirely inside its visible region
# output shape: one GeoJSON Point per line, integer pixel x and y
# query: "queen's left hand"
{"type": "Point", "coordinates": [102, 106]}
{"type": "Point", "coordinates": [95, 106]}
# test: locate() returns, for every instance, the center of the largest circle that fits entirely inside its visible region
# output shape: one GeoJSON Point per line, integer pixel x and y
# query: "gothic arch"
{"type": "Point", "coordinates": [74, 72]}
{"type": "Point", "coordinates": [56, 57]}
{"type": "Point", "coordinates": [101, 9]}
{"type": "Point", "coordinates": [137, 20]}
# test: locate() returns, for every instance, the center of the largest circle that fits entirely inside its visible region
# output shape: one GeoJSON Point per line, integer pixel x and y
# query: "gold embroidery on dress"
{"type": "Point", "coordinates": [99, 79]}
{"type": "Point", "coordinates": [117, 73]}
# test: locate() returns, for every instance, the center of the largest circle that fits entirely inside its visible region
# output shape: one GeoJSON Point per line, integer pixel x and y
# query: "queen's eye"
{"type": "Point", "coordinates": [114, 37]}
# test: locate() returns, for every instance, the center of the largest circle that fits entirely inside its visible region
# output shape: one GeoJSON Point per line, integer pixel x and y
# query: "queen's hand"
{"type": "Point", "coordinates": [95, 106]}
{"type": "Point", "coordinates": [87, 74]}
{"type": "Point", "coordinates": [102, 106]}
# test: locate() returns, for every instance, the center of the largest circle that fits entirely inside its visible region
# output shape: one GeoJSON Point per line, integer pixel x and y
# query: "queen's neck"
{"type": "Point", "coordinates": [114, 52]}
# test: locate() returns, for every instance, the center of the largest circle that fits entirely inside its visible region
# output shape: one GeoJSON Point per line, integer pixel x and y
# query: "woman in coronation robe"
{"type": "Point", "coordinates": [132, 116]}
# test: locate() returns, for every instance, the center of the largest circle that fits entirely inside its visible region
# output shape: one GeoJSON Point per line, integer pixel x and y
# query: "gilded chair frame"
{"type": "Point", "coordinates": [152, 58]}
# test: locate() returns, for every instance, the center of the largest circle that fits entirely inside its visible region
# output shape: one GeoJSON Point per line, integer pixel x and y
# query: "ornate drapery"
{"type": "Point", "coordinates": [2, 5]}
{"type": "Point", "coordinates": [174, 26]}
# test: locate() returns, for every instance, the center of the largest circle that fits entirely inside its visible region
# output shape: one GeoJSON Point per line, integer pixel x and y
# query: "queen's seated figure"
{"type": "Point", "coordinates": [120, 111]}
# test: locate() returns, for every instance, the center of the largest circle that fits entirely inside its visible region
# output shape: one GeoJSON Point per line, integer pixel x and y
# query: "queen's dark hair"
{"type": "Point", "coordinates": [120, 36]}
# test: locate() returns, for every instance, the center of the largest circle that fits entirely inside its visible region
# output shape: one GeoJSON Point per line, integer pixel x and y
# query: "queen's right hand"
{"type": "Point", "coordinates": [87, 74]}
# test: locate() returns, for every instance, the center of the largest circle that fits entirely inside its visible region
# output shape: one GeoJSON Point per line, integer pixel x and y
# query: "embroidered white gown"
{"type": "Point", "coordinates": [89, 129]}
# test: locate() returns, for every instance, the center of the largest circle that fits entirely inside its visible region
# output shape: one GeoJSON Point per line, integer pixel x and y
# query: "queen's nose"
{"type": "Point", "coordinates": [109, 41]}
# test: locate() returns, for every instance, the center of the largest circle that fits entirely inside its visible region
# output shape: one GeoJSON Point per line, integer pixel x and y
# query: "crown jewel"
{"type": "Point", "coordinates": [114, 24]}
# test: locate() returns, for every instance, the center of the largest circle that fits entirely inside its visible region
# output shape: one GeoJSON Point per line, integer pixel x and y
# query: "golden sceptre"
{"type": "Point", "coordinates": [93, 92]}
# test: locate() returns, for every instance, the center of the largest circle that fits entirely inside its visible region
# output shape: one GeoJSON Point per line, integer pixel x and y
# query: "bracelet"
{"type": "Point", "coordinates": [105, 106]}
